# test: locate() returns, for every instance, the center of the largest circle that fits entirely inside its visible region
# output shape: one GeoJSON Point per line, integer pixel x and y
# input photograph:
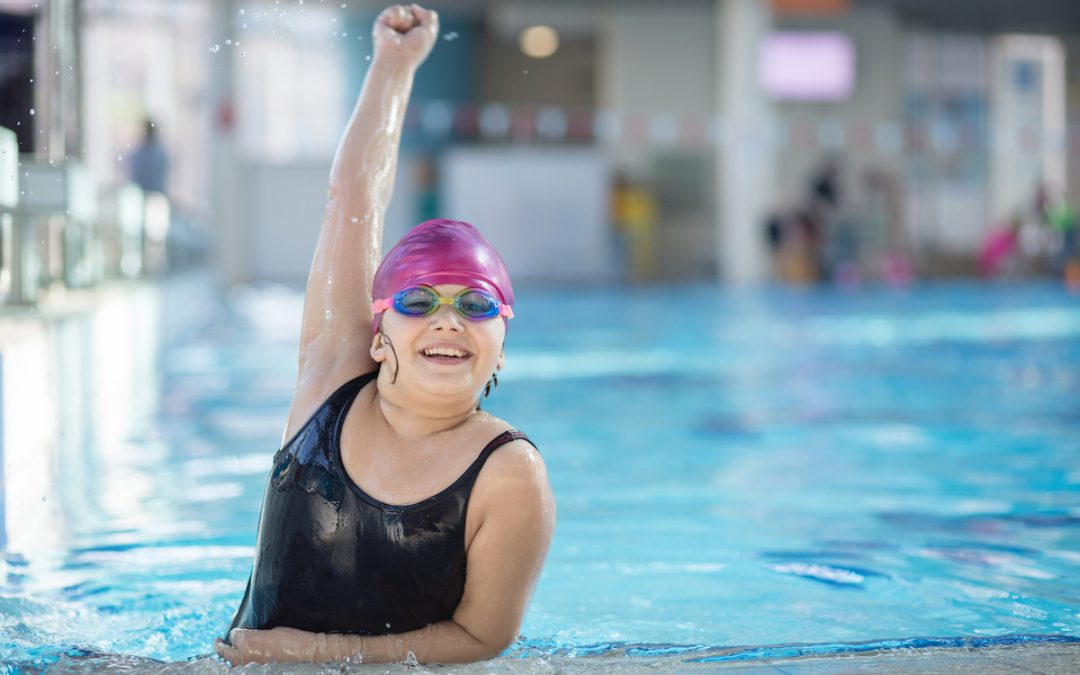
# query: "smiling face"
{"type": "Point", "coordinates": [441, 356]}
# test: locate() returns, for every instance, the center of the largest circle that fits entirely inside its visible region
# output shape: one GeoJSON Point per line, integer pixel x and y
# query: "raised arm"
{"type": "Point", "coordinates": [336, 330]}
{"type": "Point", "coordinates": [504, 560]}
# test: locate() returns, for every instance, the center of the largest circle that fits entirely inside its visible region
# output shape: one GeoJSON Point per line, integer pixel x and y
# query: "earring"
{"type": "Point", "coordinates": [491, 385]}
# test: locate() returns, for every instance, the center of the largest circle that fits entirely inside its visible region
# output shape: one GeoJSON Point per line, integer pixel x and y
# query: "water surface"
{"type": "Point", "coordinates": [736, 473]}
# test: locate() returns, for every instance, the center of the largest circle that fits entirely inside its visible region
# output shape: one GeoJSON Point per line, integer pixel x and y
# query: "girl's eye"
{"type": "Point", "coordinates": [416, 301]}
{"type": "Point", "coordinates": [476, 304]}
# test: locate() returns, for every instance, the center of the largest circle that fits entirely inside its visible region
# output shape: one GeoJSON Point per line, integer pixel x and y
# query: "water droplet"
{"type": "Point", "coordinates": [228, 42]}
{"type": "Point", "coordinates": [343, 5]}
{"type": "Point", "coordinates": [329, 315]}
{"type": "Point", "coordinates": [525, 72]}
{"type": "Point", "coordinates": [240, 12]}
{"type": "Point", "coordinates": [451, 36]}
{"type": "Point", "coordinates": [368, 57]}
{"type": "Point", "coordinates": [243, 54]}
{"type": "Point", "coordinates": [215, 49]}
{"type": "Point", "coordinates": [355, 219]}
{"type": "Point", "coordinates": [32, 111]}
{"type": "Point", "coordinates": [243, 25]}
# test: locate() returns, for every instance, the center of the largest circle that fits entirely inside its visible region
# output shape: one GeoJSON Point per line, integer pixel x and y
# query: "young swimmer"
{"type": "Point", "coordinates": [399, 518]}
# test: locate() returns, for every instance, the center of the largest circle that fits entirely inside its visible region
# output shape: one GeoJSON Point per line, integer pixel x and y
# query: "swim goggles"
{"type": "Point", "coordinates": [471, 303]}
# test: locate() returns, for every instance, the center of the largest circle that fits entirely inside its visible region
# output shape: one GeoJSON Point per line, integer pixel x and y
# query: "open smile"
{"type": "Point", "coordinates": [445, 354]}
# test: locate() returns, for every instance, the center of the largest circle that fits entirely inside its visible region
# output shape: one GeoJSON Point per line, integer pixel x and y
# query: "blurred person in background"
{"type": "Point", "coordinates": [790, 235]}
{"type": "Point", "coordinates": [394, 482]}
{"type": "Point", "coordinates": [148, 164]}
{"type": "Point", "coordinates": [633, 213]}
{"type": "Point", "coordinates": [1064, 225]}
{"type": "Point", "coordinates": [1035, 241]}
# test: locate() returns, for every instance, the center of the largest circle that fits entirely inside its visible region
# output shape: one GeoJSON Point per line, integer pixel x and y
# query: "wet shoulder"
{"type": "Point", "coordinates": [516, 460]}
{"type": "Point", "coordinates": [513, 487]}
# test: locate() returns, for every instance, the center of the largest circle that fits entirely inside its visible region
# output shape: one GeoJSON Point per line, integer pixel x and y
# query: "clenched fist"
{"type": "Point", "coordinates": [405, 34]}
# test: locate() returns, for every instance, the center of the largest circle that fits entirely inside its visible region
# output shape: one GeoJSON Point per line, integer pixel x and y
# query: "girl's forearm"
{"type": "Point", "coordinates": [366, 160]}
{"type": "Point", "coordinates": [443, 642]}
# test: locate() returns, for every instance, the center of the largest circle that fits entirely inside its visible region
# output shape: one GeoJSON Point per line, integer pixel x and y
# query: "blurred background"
{"type": "Point", "coordinates": [803, 141]}
{"type": "Point", "coordinates": [911, 168]}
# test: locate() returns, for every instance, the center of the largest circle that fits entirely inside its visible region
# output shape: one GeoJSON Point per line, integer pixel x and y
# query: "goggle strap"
{"type": "Point", "coordinates": [381, 305]}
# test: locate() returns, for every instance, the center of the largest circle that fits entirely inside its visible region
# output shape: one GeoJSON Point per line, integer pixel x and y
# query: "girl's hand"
{"type": "Point", "coordinates": [405, 33]}
{"type": "Point", "coordinates": [268, 646]}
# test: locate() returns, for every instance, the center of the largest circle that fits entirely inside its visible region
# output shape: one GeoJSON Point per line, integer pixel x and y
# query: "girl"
{"type": "Point", "coordinates": [399, 518]}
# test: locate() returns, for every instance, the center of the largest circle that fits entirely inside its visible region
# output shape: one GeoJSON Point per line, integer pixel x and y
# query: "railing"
{"type": "Point", "coordinates": [58, 230]}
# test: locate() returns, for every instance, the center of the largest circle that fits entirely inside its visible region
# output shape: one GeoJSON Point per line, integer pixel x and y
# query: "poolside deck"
{"type": "Point", "coordinates": [1039, 659]}
{"type": "Point", "coordinates": [1047, 659]}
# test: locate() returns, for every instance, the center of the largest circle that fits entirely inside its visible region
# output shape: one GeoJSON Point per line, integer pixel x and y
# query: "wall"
{"type": "Point", "coordinates": [544, 209]}
{"type": "Point", "coordinates": [282, 215]}
{"type": "Point", "coordinates": [565, 79]}
{"type": "Point", "coordinates": [660, 59]}
{"type": "Point", "coordinates": [1072, 116]}
{"type": "Point", "coordinates": [879, 77]}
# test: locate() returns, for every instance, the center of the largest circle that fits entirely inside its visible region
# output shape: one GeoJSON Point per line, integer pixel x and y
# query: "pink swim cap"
{"type": "Point", "coordinates": [442, 252]}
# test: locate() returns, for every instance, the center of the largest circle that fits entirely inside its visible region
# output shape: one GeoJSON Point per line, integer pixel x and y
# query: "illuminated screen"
{"type": "Point", "coordinates": [807, 66]}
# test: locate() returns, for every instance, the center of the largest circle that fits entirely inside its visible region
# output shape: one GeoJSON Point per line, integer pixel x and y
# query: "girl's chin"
{"type": "Point", "coordinates": [441, 382]}
{"type": "Point", "coordinates": [455, 387]}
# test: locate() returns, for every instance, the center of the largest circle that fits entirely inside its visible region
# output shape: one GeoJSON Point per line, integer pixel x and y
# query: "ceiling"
{"type": "Point", "coordinates": [1049, 16]}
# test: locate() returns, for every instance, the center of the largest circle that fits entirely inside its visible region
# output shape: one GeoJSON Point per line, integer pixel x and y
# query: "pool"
{"type": "Point", "coordinates": [740, 476]}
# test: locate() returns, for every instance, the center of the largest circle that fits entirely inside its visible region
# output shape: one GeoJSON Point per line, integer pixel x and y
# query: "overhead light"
{"type": "Point", "coordinates": [539, 42]}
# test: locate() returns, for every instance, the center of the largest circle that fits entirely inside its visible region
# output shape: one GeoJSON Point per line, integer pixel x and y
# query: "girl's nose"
{"type": "Point", "coordinates": [446, 317]}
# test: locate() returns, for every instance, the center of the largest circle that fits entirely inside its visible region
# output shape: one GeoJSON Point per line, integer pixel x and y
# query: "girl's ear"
{"type": "Point", "coordinates": [378, 348]}
{"type": "Point", "coordinates": [502, 360]}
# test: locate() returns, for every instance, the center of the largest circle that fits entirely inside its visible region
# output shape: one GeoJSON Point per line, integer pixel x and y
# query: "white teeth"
{"type": "Point", "coordinates": [444, 351]}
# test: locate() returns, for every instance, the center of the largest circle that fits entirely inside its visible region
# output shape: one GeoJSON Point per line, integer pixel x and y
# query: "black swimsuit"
{"type": "Point", "coordinates": [332, 559]}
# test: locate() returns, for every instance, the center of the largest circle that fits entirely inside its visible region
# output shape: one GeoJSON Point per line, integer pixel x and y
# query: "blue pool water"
{"type": "Point", "coordinates": [736, 473]}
